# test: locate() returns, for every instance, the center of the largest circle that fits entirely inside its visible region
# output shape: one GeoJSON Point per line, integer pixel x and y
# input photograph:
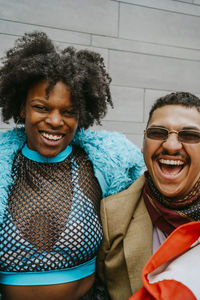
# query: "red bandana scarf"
{"type": "Point", "coordinates": [169, 213]}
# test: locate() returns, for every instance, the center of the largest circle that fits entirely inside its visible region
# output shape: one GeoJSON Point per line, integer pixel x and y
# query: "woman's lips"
{"type": "Point", "coordinates": [50, 138]}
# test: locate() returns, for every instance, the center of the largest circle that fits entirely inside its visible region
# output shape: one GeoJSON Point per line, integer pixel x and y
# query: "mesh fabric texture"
{"type": "Point", "coordinates": [52, 218]}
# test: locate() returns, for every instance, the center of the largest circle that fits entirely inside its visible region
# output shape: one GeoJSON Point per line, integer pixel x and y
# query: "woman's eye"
{"type": "Point", "coordinates": [70, 113]}
{"type": "Point", "coordinates": [40, 108]}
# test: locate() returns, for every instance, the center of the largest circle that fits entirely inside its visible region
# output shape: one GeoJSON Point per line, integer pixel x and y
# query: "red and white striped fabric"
{"type": "Point", "coordinates": [173, 272]}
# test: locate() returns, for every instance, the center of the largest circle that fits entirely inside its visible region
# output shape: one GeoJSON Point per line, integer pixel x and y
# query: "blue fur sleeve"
{"type": "Point", "coordinates": [10, 142]}
{"type": "Point", "coordinates": [117, 162]}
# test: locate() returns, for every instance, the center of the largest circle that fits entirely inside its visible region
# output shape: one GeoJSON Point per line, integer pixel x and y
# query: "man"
{"type": "Point", "coordinates": [138, 220]}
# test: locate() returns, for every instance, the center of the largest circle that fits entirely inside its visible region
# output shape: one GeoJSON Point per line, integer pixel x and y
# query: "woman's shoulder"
{"type": "Point", "coordinates": [12, 138]}
{"type": "Point", "coordinates": [114, 157]}
{"type": "Point", "coordinates": [10, 142]}
{"type": "Point", "coordinates": [112, 143]}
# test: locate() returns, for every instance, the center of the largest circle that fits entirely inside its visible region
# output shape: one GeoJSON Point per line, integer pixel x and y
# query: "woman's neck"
{"type": "Point", "coordinates": [36, 156]}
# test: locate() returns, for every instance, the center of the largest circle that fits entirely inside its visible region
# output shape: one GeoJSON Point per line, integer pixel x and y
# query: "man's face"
{"type": "Point", "coordinates": [174, 166]}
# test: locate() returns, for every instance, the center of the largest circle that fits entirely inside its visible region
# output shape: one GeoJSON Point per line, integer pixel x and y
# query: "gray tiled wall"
{"type": "Point", "coordinates": [150, 47]}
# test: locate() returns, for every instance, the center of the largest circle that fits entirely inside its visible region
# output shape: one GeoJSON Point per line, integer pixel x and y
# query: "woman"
{"type": "Point", "coordinates": [54, 173]}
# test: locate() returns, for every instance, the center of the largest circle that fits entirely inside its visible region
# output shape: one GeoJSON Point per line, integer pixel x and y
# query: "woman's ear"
{"type": "Point", "coordinates": [22, 112]}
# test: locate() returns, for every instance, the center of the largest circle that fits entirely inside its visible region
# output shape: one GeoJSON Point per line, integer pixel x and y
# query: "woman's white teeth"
{"type": "Point", "coordinates": [171, 162]}
{"type": "Point", "coordinates": [54, 137]}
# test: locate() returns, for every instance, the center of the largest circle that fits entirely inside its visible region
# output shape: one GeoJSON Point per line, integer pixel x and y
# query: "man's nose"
{"type": "Point", "coordinates": [172, 144]}
{"type": "Point", "coordinates": [54, 119]}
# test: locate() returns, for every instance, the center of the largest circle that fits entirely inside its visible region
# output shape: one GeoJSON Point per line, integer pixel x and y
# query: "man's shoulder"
{"type": "Point", "coordinates": [133, 191]}
{"type": "Point", "coordinates": [118, 210]}
{"type": "Point", "coordinates": [123, 204]}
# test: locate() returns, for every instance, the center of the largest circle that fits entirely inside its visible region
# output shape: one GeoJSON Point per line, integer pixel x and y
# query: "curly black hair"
{"type": "Point", "coordinates": [35, 58]}
{"type": "Point", "coordinates": [178, 98]}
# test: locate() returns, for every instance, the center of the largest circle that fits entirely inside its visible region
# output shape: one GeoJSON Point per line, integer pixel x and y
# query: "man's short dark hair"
{"type": "Point", "coordinates": [179, 98]}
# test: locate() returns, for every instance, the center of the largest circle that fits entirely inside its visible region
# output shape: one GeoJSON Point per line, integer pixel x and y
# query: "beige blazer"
{"type": "Point", "coordinates": [127, 242]}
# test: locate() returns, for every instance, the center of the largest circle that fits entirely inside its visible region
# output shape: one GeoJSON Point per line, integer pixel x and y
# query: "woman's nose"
{"type": "Point", "coordinates": [54, 119]}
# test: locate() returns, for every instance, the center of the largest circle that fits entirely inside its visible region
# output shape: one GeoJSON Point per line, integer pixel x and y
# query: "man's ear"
{"type": "Point", "coordinates": [143, 145]}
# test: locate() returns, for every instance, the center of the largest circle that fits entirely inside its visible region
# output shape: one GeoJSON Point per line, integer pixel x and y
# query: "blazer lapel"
{"type": "Point", "coordinates": [138, 245]}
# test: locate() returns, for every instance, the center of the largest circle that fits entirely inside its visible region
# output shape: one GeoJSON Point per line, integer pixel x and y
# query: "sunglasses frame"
{"type": "Point", "coordinates": [180, 139]}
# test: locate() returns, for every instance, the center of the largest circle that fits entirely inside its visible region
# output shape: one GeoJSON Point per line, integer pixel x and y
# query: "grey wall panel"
{"type": "Point", "coordinates": [128, 104]}
{"type": "Point", "coordinates": [18, 29]}
{"type": "Point", "coordinates": [187, 1]}
{"type": "Point", "coordinates": [158, 26]}
{"type": "Point", "coordinates": [145, 47]}
{"type": "Point", "coordinates": [150, 97]}
{"type": "Point", "coordinates": [6, 41]}
{"type": "Point", "coordinates": [136, 139]}
{"type": "Point", "coordinates": [134, 131]}
{"type": "Point", "coordinates": [5, 125]}
{"type": "Point", "coordinates": [181, 7]}
{"type": "Point", "coordinates": [96, 16]}
{"type": "Point", "coordinates": [154, 72]}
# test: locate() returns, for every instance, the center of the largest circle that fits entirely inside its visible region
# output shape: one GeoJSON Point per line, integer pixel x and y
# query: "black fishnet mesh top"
{"type": "Point", "coordinates": [52, 219]}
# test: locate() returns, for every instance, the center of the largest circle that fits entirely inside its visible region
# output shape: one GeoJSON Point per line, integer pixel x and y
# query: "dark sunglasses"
{"type": "Point", "coordinates": [184, 136]}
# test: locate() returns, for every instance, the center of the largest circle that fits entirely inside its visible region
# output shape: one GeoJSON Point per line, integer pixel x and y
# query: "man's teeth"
{"type": "Point", "coordinates": [54, 137]}
{"type": "Point", "coordinates": [171, 162]}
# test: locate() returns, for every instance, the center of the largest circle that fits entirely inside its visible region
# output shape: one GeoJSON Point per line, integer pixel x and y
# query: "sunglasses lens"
{"type": "Point", "coordinates": [189, 136]}
{"type": "Point", "coordinates": [157, 133]}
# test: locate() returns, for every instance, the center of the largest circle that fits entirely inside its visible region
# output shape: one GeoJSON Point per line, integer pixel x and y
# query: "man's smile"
{"type": "Point", "coordinates": [170, 167]}
{"type": "Point", "coordinates": [171, 162]}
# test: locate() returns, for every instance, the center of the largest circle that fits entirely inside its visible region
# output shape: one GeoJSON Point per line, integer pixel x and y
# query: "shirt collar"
{"type": "Point", "coordinates": [35, 156]}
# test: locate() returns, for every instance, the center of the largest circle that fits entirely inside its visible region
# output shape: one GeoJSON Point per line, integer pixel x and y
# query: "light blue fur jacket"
{"type": "Point", "coordinates": [115, 159]}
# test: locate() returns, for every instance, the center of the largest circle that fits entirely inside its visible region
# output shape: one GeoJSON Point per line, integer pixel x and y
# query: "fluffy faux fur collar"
{"type": "Point", "coordinates": [114, 158]}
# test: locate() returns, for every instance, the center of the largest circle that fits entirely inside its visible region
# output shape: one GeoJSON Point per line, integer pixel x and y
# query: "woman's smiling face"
{"type": "Point", "coordinates": [51, 123]}
{"type": "Point", "coordinates": [173, 166]}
